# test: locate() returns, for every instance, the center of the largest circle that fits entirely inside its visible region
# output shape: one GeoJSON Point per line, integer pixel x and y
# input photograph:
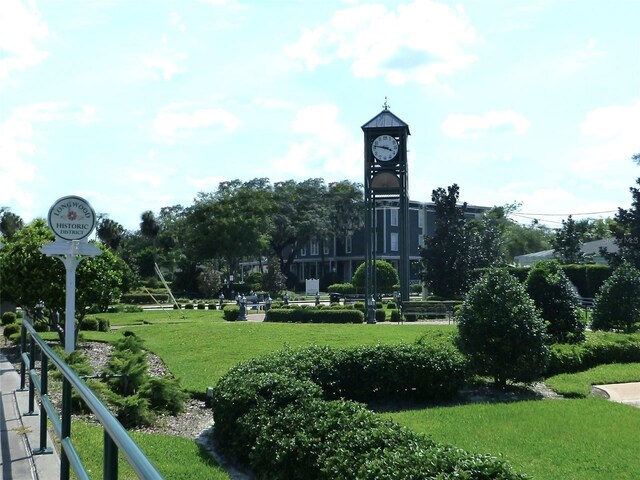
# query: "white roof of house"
{"type": "Point", "coordinates": [588, 248]}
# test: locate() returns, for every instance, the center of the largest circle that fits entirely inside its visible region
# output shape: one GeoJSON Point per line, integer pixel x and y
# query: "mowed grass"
{"type": "Point", "coordinates": [199, 352]}
{"type": "Point", "coordinates": [175, 458]}
{"type": "Point", "coordinates": [587, 439]}
{"type": "Point", "coordinates": [579, 384]}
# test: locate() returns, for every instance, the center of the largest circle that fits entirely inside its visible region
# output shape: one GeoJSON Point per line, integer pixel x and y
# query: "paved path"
{"type": "Point", "coordinates": [628, 393]}
{"type": "Point", "coordinates": [19, 432]}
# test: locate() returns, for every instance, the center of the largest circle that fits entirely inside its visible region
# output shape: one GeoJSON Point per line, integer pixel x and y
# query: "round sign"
{"type": "Point", "coordinates": [72, 218]}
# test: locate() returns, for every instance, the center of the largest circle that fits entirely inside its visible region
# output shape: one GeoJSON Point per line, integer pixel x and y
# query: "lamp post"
{"type": "Point", "coordinates": [242, 315]}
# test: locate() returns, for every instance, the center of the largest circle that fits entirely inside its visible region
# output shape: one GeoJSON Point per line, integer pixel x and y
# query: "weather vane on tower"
{"type": "Point", "coordinates": [386, 105]}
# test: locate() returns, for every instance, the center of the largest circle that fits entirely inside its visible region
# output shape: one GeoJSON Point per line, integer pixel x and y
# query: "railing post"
{"type": "Point", "coordinates": [65, 427]}
{"type": "Point", "coordinates": [32, 391]}
{"type": "Point", "coordinates": [110, 458]}
{"type": "Point", "coordinates": [44, 379]}
{"type": "Point", "coordinates": [23, 349]}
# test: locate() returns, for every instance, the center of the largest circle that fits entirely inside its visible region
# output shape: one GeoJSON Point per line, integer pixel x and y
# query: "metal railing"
{"type": "Point", "coordinates": [115, 436]}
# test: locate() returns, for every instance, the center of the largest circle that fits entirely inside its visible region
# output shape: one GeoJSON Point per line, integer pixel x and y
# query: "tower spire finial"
{"type": "Point", "coordinates": [386, 105]}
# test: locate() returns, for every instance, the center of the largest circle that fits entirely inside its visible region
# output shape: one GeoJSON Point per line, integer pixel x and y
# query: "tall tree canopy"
{"type": "Point", "coordinates": [626, 232]}
{"type": "Point", "coordinates": [446, 256]}
{"type": "Point", "coordinates": [567, 243]}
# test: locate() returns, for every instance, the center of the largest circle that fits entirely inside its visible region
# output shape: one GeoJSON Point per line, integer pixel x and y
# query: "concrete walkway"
{"type": "Point", "coordinates": [20, 432]}
{"type": "Point", "coordinates": [628, 393]}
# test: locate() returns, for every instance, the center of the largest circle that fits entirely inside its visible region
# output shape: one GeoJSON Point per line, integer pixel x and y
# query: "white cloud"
{"type": "Point", "coordinates": [611, 138]}
{"type": "Point", "coordinates": [182, 119]}
{"type": "Point", "coordinates": [324, 145]}
{"type": "Point", "coordinates": [417, 43]}
{"type": "Point", "coordinates": [473, 126]}
{"type": "Point", "coordinates": [20, 27]}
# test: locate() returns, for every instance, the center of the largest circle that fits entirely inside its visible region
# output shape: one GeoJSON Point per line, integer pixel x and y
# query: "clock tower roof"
{"type": "Point", "coordinates": [385, 119]}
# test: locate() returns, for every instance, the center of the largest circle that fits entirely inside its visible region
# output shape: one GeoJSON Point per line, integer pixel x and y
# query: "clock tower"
{"type": "Point", "coordinates": [386, 178]}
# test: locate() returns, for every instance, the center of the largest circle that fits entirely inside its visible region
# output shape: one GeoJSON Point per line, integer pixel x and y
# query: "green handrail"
{"type": "Point", "coordinates": [115, 435]}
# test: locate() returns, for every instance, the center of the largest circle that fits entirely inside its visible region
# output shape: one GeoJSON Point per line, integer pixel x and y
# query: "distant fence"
{"type": "Point", "coordinates": [115, 435]}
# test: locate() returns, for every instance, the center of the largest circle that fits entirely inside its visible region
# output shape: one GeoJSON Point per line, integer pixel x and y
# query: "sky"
{"type": "Point", "coordinates": [138, 105]}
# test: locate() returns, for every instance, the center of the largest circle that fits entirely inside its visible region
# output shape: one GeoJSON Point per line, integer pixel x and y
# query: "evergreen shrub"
{"type": "Point", "coordinates": [314, 315]}
{"type": "Point", "coordinates": [8, 318]}
{"type": "Point", "coordinates": [10, 330]}
{"type": "Point", "coordinates": [89, 324]}
{"type": "Point", "coordinates": [231, 313]}
{"type": "Point", "coordinates": [617, 305]}
{"type": "Point", "coordinates": [341, 288]}
{"type": "Point", "coordinates": [381, 315]}
{"type": "Point", "coordinates": [284, 414]}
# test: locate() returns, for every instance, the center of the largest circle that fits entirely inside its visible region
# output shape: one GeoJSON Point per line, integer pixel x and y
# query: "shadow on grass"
{"type": "Point", "coordinates": [476, 392]}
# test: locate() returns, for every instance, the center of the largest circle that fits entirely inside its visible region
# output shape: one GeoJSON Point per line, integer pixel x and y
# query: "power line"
{"type": "Point", "coordinates": [565, 214]}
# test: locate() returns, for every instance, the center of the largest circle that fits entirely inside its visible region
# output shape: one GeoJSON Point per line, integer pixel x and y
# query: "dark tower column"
{"type": "Point", "coordinates": [386, 177]}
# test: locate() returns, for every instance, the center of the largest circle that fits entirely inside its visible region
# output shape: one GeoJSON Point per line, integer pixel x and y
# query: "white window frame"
{"type": "Point", "coordinates": [314, 248]}
{"type": "Point", "coordinates": [348, 246]}
{"type": "Point", "coordinates": [394, 214]}
{"type": "Point", "coordinates": [303, 251]}
{"type": "Point", "coordinates": [394, 242]}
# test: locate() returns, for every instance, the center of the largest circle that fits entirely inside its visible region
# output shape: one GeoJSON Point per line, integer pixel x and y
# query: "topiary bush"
{"type": "Point", "coordinates": [386, 277]}
{"type": "Point", "coordinates": [551, 291]}
{"type": "Point", "coordinates": [617, 305]}
{"type": "Point", "coordinates": [341, 288]}
{"type": "Point", "coordinates": [10, 329]}
{"type": "Point", "coordinates": [381, 315]}
{"type": "Point", "coordinates": [308, 314]}
{"type": "Point", "coordinates": [89, 324]}
{"type": "Point", "coordinates": [8, 318]}
{"type": "Point", "coordinates": [499, 328]}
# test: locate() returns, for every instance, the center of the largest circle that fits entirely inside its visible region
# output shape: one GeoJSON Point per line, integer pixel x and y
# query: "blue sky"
{"type": "Point", "coordinates": [136, 105]}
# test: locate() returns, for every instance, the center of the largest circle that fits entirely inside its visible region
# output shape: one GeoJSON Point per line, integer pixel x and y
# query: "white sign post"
{"type": "Point", "coordinates": [72, 220]}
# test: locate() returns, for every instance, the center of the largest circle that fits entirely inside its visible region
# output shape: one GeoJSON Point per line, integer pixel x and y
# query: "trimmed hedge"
{"type": "Point", "coordinates": [587, 278]}
{"type": "Point", "coordinates": [599, 349]}
{"type": "Point", "coordinates": [144, 298]}
{"type": "Point", "coordinates": [341, 288]}
{"type": "Point", "coordinates": [231, 313]}
{"type": "Point", "coordinates": [284, 414]}
{"type": "Point", "coordinates": [314, 315]}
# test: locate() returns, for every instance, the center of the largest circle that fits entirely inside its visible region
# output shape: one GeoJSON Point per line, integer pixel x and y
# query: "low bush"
{"type": "Point", "coordinates": [41, 326]}
{"type": "Point", "coordinates": [381, 315]}
{"type": "Point", "coordinates": [599, 349]}
{"type": "Point", "coordinates": [231, 313]}
{"type": "Point", "coordinates": [164, 395]}
{"type": "Point", "coordinates": [144, 298]}
{"type": "Point", "coordinates": [285, 416]}
{"type": "Point", "coordinates": [314, 315]}
{"type": "Point", "coordinates": [189, 306]}
{"type": "Point", "coordinates": [201, 306]}
{"type": "Point", "coordinates": [395, 316]}
{"type": "Point", "coordinates": [8, 318]}
{"type": "Point", "coordinates": [10, 330]}
{"type": "Point", "coordinates": [341, 288]}
{"type": "Point", "coordinates": [392, 305]}
{"type": "Point", "coordinates": [89, 324]}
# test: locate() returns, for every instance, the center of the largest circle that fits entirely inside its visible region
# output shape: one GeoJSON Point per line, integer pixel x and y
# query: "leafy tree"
{"type": "Point", "coordinates": [10, 223]}
{"type": "Point", "coordinates": [553, 294]}
{"type": "Point", "coordinates": [273, 280]}
{"type": "Point", "coordinates": [346, 207]}
{"type": "Point", "coordinates": [29, 276]}
{"type": "Point", "coordinates": [149, 225]}
{"type": "Point", "coordinates": [110, 233]}
{"type": "Point", "coordinates": [617, 305]}
{"type": "Point", "coordinates": [487, 238]}
{"type": "Point", "coordinates": [626, 233]}
{"type": "Point", "coordinates": [386, 277]}
{"type": "Point", "coordinates": [209, 280]}
{"type": "Point", "coordinates": [100, 281]}
{"type": "Point", "coordinates": [501, 331]}
{"type": "Point", "coordinates": [446, 256]}
{"type": "Point", "coordinates": [567, 243]}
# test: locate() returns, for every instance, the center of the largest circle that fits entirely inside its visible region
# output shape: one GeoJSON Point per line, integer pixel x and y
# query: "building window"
{"type": "Point", "coordinates": [325, 250]}
{"type": "Point", "coordinates": [394, 217]}
{"type": "Point", "coordinates": [394, 242]}
{"type": "Point", "coordinates": [347, 244]}
{"type": "Point", "coordinates": [303, 251]}
{"type": "Point", "coordinates": [314, 248]}
{"type": "Point", "coordinates": [420, 219]}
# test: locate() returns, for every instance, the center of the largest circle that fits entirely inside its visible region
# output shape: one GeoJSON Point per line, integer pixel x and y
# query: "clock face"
{"type": "Point", "coordinates": [384, 148]}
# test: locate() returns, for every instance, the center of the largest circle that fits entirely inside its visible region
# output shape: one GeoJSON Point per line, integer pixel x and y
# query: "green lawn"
{"type": "Point", "coordinates": [579, 384]}
{"type": "Point", "coordinates": [588, 439]}
{"type": "Point", "coordinates": [553, 439]}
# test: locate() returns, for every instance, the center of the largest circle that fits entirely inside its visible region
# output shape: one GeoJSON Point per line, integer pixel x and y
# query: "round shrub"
{"type": "Point", "coordinates": [386, 277]}
{"type": "Point", "coordinates": [89, 324]}
{"type": "Point", "coordinates": [10, 330]}
{"type": "Point", "coordinates": [341, 288]}
{"type": "Point", "coordinates": [201, 306]}
{"type": "Point", "coordinates": [395, 316]}
{"type": "Point", "coordinates": [41, 326]}
{"type": "Point", "coordinates": [381, 315]}
{"type": "Point", "coordinates": [231, 313]}
{"type": "Point", "coordinates": [617, 305]}
{"type": "Point", "coordinates": [552, 292]}
{"type": "Point", "coordinates": [499, 328]}
{"type": "Point", "coordinates": [189, 306]}
{"type": "Point", "coordinates": [8, 318]}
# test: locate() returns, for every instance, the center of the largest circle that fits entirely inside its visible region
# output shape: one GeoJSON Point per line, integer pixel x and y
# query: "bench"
{"type": "Point", "coordinates": [412, 311]}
